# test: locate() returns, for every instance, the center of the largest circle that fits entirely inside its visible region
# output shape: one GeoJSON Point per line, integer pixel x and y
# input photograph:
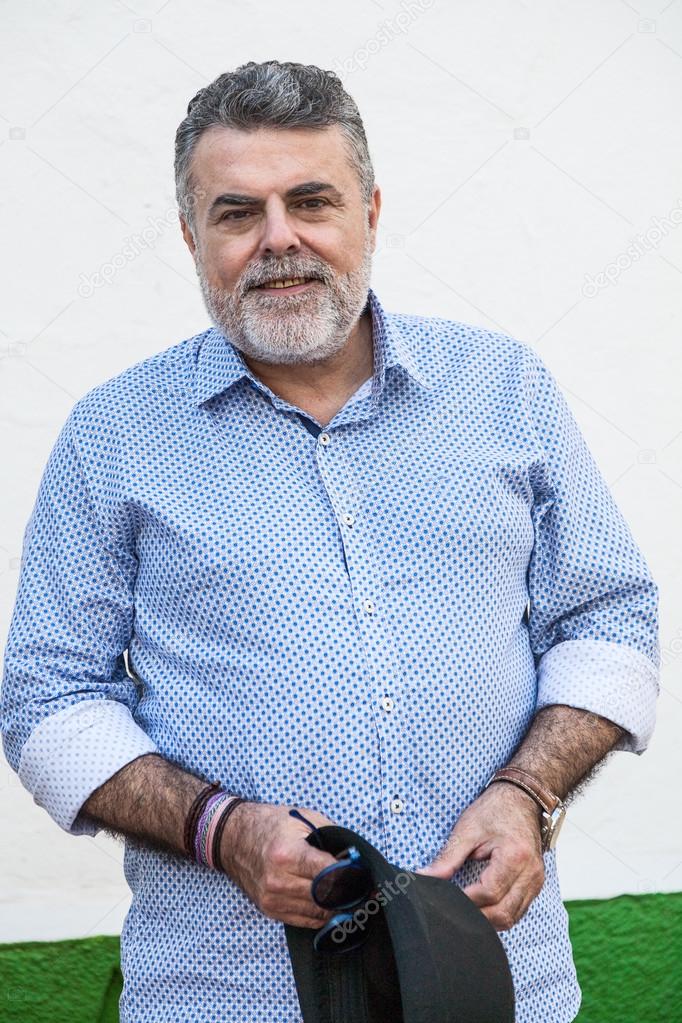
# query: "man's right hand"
{"type": "Point", "coordinates": [263, 849]}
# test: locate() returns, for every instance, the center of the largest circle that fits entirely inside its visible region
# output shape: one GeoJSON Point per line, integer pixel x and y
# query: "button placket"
{"type": "Point", "coordinates": [385, 675]}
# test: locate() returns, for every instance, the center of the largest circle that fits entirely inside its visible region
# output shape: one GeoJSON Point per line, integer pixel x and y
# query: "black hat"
{"type": "Point", "coordinates": [429, 956]}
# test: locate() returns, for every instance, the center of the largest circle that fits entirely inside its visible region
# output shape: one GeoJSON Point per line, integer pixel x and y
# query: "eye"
{"type": "Point", "coordinates": [231, 214]}
{"type": "Point", "coordinates": [241, 214]}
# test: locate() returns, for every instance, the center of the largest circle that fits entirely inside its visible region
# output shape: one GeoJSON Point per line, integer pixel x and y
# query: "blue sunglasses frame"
{"type": "Point", "coordinates": [348, 859]}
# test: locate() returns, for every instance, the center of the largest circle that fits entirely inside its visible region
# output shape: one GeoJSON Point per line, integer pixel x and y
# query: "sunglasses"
{"type": "Point", "coordinates": [343, 885]}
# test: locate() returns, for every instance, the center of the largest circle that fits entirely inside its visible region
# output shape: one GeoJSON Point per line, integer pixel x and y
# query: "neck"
{"type": "Point", "coordinates": [324, 386]}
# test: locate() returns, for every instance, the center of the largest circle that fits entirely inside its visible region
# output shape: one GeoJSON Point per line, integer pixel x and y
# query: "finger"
{"type": "Point", "coordinates": [459, 847]}
{"type": "Point", "coordinates": [302, 921]}
{"type": "Point", "coordinates": [306, 907]}
{"type": "Point", "coordinates": [287, 885]}
{"type": "Point", "coordinates": [495, 881]}
{"type": "Point", "coordinates": [297, 859]}
{"type": "Point", "coordinates": [288, 910]}
{"type": "Point", "coordinates": [505, 914]}
{"type": "Point", "coordinates": [277, 906]}
{"type": "Point", "coordinates": [308, 862]}
{"type": "Point", "coordinates": [301, 891]}
{"type": "Point", "coordinates": [514, 903]}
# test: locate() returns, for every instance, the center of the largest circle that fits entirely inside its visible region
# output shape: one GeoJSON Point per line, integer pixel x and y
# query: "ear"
{"type": "Point", "coordinates": [373, 214]}
{"type": "Point", "coordinates": [187, 234]}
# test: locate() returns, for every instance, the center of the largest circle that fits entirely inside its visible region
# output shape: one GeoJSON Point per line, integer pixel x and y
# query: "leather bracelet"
{"type": "Point", "coordinates": [545, 798]}
{"type": "Point", "coordinates": [552, 809]}
{"type": "Point", "coordinates": [525, 788]}
{"type": "Point", "coordinates": [218, 836]}
{"type": "Point", "coordinates": [194, 814]}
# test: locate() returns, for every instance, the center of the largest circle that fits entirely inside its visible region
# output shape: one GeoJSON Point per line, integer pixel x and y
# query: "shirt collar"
{"type": "Point", "coordinates": [391, 338]}
{"type": "Point", "coordinates": [219, 364]}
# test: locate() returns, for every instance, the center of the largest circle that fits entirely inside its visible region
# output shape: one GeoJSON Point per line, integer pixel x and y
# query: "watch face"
{"type": "Point", "coordinates": [553, 824]}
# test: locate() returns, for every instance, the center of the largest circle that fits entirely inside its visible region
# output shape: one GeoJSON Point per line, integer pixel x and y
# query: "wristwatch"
{"type": "Point", "coordinates": [553, 809]}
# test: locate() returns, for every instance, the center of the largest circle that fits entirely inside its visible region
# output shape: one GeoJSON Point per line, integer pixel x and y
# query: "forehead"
{"type": "Point", "coordinates": [270, 159]}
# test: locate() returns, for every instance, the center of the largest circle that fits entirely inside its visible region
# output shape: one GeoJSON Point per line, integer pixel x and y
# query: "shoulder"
{"type": "Point", "coordinates": [149, 388]}
{"type": "Point", "coordinates": [118, 421]}
{"type": "Point", "coordinates": [446, 349]}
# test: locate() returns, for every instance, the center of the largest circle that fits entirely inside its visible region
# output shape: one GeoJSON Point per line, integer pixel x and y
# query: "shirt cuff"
{"type": "Point", "coordinates": [74, 751]}
{"type": "Point", "coordinates": [610, 679]}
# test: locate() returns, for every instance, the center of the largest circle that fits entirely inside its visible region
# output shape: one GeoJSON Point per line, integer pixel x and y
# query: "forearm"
{"type": "Point", "coordinates": [148, 800]}
{"type": "Point", "coordinates": [563, 746]}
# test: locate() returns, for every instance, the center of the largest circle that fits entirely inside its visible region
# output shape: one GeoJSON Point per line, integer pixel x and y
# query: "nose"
{"type": "Point", "coordinates": [279, 235]}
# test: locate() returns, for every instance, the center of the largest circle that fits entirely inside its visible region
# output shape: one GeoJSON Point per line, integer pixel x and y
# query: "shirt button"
{"type": "Point", "coordinates": [369, 607]}
{"type": "Point", "coordinates": [348, 518]}
{"type": "Point", "coordinates": [324, 438]}
{"type": "Point", "coordinates": [397, 806]}
{"type": "Point", "coordinates": [387, 703]}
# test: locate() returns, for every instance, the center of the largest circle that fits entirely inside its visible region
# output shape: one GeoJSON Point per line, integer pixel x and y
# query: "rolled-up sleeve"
{"type": "Point", "coordinates": [67, 702]}
{"type": "Point", "coordinates": [593, 615]}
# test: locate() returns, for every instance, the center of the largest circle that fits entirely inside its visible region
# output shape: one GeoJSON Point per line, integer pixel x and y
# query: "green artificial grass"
{"type": "Point", "coordinates": [60, 981]}
{"type": "Point", "coordinates": [628, 953]}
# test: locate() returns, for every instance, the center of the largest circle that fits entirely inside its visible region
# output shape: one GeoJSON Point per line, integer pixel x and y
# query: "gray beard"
{"type": "Point", "coordinates": [299, 328]}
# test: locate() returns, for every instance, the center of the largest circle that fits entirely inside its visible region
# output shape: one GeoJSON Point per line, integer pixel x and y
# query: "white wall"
{"type": "Point", "coordinates": [520, 146]}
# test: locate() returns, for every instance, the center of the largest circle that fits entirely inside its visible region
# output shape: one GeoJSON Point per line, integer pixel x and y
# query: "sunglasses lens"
{"type": "Point", "coordinates": [341, 934]}
{"type": "Point", "coordinates": [342, 885]}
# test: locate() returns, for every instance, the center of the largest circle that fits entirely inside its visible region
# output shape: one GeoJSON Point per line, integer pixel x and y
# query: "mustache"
{"type": "Point", "coordinates": [242, 288]}
{"type": "Point", "coordinates": [284, 272]}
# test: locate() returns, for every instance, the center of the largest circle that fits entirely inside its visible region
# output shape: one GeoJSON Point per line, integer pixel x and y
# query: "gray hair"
{"type": "Point", "coordinates": [274, 95]}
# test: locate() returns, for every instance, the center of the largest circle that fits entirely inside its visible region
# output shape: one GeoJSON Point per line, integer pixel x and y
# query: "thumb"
{"type": "Point", "coordinates": [438, 868]}
{"type": "Point", "coordinates": [454, 853]}
{"type": "Point", "coordinates": [311, 860]}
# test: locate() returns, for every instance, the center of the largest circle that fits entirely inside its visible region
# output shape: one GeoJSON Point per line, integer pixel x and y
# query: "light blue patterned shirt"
{"type": "Point", "coordinates": [363, 622]}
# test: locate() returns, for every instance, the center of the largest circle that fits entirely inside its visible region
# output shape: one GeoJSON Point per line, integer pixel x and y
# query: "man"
{"type": "Point", "coordinates": [334, 558]}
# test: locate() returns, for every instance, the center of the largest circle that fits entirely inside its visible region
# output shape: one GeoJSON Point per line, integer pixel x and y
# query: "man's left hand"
{"type": "Point", "coordinates": [502, 826]}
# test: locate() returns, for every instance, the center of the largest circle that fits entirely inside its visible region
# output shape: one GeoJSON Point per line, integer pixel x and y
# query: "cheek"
{"type": "Point", "coordinates": [225, 269]}
{"type": "Point", "coordinates": [339, 247]}
{"type": "Point", "coordinates": [225, 259]}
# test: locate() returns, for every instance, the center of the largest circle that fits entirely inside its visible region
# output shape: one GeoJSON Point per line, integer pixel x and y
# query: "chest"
{"type": "Point", "coordinates": [239, 514]}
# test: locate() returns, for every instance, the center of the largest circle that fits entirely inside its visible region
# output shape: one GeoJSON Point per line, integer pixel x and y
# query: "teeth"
{"type": "Point", "coordinates": [289, 282]}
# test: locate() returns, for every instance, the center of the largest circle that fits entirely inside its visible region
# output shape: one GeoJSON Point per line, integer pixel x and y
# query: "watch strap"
{"type": "Point", "coordinates": [543, 796]}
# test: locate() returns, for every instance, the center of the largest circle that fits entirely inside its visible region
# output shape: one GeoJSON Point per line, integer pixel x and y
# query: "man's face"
{"type": "Point", "coordinates": [255, 223]}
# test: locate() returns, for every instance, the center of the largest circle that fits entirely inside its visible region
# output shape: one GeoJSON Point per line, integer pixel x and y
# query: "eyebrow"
{"type": "Point", "coordinates": [306, 188]}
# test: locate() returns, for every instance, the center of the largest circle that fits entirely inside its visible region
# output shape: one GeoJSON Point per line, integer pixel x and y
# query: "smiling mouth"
{"type": "Point", "coordinates": [286, 284]}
